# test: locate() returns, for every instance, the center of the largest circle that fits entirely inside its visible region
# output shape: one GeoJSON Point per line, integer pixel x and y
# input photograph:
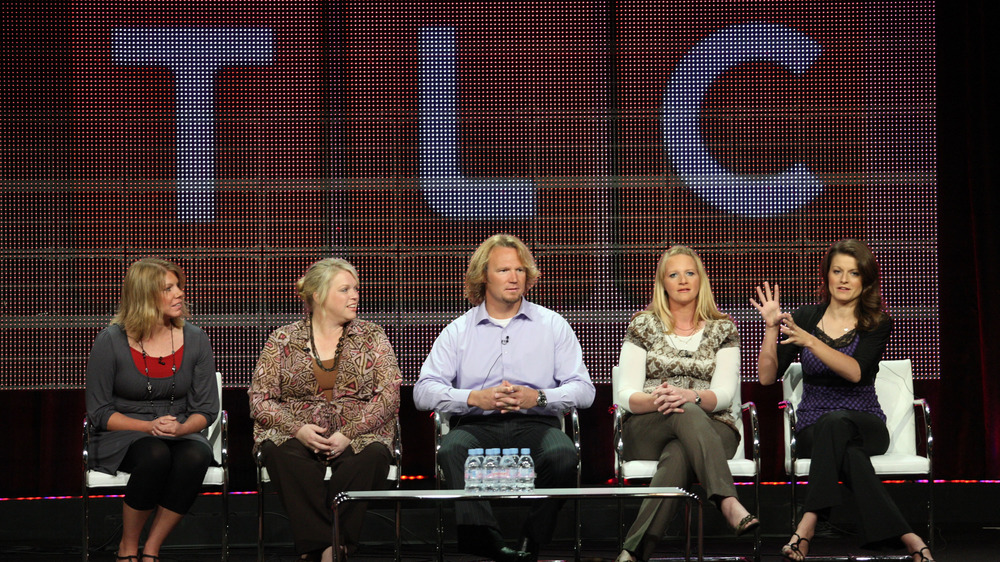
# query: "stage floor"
{"type": "Point", "coordinates": [966, 515]}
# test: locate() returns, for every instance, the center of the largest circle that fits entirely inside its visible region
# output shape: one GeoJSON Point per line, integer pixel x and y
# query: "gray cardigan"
{"type": "Point", "coordinates": [115, 384]}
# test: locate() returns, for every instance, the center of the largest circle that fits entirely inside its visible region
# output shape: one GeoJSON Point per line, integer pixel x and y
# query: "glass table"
{"type": "Point", "coordinates": [441, 497]}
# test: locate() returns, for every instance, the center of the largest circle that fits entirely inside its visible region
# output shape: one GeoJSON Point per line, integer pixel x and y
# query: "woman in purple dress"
{"type": "Point", "coordinates": [840, 423]}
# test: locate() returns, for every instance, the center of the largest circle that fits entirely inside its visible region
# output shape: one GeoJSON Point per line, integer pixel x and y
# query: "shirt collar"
{"type": "Point", "coordinates": [527, 311]}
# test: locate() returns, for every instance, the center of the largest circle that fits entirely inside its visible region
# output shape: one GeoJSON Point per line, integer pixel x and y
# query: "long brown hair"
{"type": "Point", "coordinates": [139, 307]}
{"type": "Point", "coordinates": [870, 305]}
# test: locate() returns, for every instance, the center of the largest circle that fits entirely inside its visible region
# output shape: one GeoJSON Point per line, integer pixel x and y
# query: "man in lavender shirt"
{"type": "Point", "coordinates": [505, 371]}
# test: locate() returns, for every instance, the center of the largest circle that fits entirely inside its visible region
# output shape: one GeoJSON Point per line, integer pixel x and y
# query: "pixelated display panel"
{"type": "Point", "coordinates": [245, 140]}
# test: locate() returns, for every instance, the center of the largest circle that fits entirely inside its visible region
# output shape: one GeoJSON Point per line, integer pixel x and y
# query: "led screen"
{"type": "Point", "coordinates": [245, 140]}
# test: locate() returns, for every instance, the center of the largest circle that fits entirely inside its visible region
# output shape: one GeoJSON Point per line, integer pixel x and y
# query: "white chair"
{"type": "Point", "coordinates": [743, 465]}
{"type": "Point", "coordinates": [894, 387]}
{"type": "Point", "coordinates": [218, 438]}
{"type": "Point", "coordinates": [441, 427]}
{"type": "Point", "coordinates": [395, 470]}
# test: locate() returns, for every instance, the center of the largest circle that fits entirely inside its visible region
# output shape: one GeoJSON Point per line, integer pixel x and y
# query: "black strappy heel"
{"type": "Point", "coordinates": [792, 549]}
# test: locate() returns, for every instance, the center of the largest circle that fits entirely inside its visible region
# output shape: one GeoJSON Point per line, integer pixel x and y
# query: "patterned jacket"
{"type": "Point", "coordinates": [284, 394]}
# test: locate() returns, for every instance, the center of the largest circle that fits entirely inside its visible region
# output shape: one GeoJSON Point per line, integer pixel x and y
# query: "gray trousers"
{"type": "Point", "coordinates": [690, 447]}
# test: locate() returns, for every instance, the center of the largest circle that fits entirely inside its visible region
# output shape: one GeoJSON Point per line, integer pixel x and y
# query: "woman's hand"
{"type": "Point", "coordinates": [793, 333]}
{"type": "Point", "coordinates": [165, 426]}
{"type": "Point", "coordinates": [769, 305]}
{"type": "Point", "coordinates": [669, 399]}
{"type": "Point", "coordinates": [340, 443]}
{"type": "Point", "coordinates": [311, 435]}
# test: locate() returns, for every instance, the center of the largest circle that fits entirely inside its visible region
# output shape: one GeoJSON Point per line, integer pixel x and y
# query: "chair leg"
{"type": "Point", "coordinates": [225, 526]}
{"type": "Point", "coordinates": [86, 526]}
{"type": "Point", "coordinates": [260, 524]}
{"type": "Point", "coordinates": [399, 529]}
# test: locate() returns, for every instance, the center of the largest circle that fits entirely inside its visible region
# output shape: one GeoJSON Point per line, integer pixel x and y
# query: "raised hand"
{"type": "Point", "coordinates": [769, 305]}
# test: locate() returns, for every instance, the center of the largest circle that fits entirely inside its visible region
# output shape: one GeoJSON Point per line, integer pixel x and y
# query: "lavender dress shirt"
{"type": "Point", "coordinates": [537, 349]}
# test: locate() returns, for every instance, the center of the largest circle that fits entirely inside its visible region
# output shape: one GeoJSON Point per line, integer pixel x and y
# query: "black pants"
{"type": "Point", "coordinates": [165, 472]}
{"type": "Point", "coordinates": [551, 449]}
{"type": "Point", "coordinates": [297, 473]}
{"type": "Point", "coordinates": [840, 444]}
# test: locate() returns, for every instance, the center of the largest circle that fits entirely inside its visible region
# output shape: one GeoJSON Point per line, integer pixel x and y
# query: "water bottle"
{"type": "Point", "coordinates": [491, 470]}
{"type": "Point", "coordinates": [525, 472]}
{"type": "Point", "coordinates": [474, 471]}
{"type": "Point", "coordinates": [508, 470]}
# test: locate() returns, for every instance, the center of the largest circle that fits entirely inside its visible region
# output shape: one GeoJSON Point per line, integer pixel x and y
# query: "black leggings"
{"type": "Point", "coordinates": [165, 472]}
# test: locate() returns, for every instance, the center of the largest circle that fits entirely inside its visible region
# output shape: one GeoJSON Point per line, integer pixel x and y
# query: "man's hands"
{"type": "Point", "coordinates": [505, 397]}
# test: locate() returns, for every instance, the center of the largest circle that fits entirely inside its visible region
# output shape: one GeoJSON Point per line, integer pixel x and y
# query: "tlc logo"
{"type": "Point", "coordinates": [195, 57]}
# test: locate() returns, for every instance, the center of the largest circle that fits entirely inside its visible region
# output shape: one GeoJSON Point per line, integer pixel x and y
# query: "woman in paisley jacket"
{"type": "Point", "coordinates": [678, 373]}
{"type": "Point", "coordinates": [325, 392]}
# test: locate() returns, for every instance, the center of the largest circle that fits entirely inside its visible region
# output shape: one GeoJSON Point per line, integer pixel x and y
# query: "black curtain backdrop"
{"type": "Point", "coordinates": [41, 454]}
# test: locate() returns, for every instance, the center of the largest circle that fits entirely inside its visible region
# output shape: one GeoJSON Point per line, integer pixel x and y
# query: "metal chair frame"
{"type": "Point", "coordinates": [218, 438]}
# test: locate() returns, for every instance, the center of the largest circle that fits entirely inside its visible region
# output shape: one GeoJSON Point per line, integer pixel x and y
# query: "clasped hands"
{"type": "Point", "coordinates": [505, 397]}
{"type": "Point", "coordinates": [165, 426]}
{"type": "Point", "coordinates": [314, 438]}
{"type": "Point", "coordinates": [669, 399]}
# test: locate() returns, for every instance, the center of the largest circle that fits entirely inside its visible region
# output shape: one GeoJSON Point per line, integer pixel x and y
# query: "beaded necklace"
{"type": "Point", "coordinates": [173, 370]}
{"type": "Point", "coordinates": [336, 353]}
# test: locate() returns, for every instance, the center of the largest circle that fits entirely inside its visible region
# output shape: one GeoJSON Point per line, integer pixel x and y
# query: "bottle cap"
{"type": "Point", "coordinates": [525, 452]}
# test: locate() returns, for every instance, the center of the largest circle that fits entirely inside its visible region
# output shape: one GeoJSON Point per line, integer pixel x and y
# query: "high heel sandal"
{"type": "Point", "coordinates": [129, 557]}
{"type": "Point", "coordinates": [921, 553]}
{"type": "Point", "coordinates": [145, 556]}
{"type": "Point", "coordinates": [791, 550]}
{"type": "Point", "coordinates": [747, 524]}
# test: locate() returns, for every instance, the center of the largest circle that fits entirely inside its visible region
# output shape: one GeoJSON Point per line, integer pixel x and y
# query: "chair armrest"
{"type": "Point", "coordinates": [574, 417]}
{"type": "Point", "coordinates": [225, 438]}
{"type": "Point", "coordinates": [86, 444]}
{"type": "Point", "coordinates": [792, 445]}
{"type": "Point", "coordinates": [925, 411]}
{"type": "Point", "coordinates": [440, 428]}
{"type": "Point", "coordinates": [397, 447]}
{"type": "Point", "coordinates": [749, 410]}
{"type": "Point", "coordinates": [618, 443]}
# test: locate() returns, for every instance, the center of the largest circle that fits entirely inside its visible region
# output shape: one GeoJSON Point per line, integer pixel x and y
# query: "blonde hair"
{"type": "Point", "coordinates": [705, 309]}
{"type": "Point", "coordinates": [317, 278]}
{"type": "Point", "coordinates": [139, 306]}
{"type": "Point", "coordinates": [475, 274]}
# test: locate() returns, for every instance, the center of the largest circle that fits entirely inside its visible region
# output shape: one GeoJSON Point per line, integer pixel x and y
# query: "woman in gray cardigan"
{"type": "Point", "coordinates": [151, 390]}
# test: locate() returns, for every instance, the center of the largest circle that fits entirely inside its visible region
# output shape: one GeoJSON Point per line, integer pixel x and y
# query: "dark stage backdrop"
{"type": "Point", "coordinates": [245, 140]}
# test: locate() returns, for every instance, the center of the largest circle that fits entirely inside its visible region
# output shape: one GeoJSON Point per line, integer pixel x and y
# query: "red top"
{"type": "Point", "coordinates": [159, 367]}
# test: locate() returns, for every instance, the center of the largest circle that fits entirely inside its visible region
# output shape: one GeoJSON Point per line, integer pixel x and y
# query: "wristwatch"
{"type": "Point", "coordinates": [697, 398]}
{"type": "Point", "coordinates": [542, 400]}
